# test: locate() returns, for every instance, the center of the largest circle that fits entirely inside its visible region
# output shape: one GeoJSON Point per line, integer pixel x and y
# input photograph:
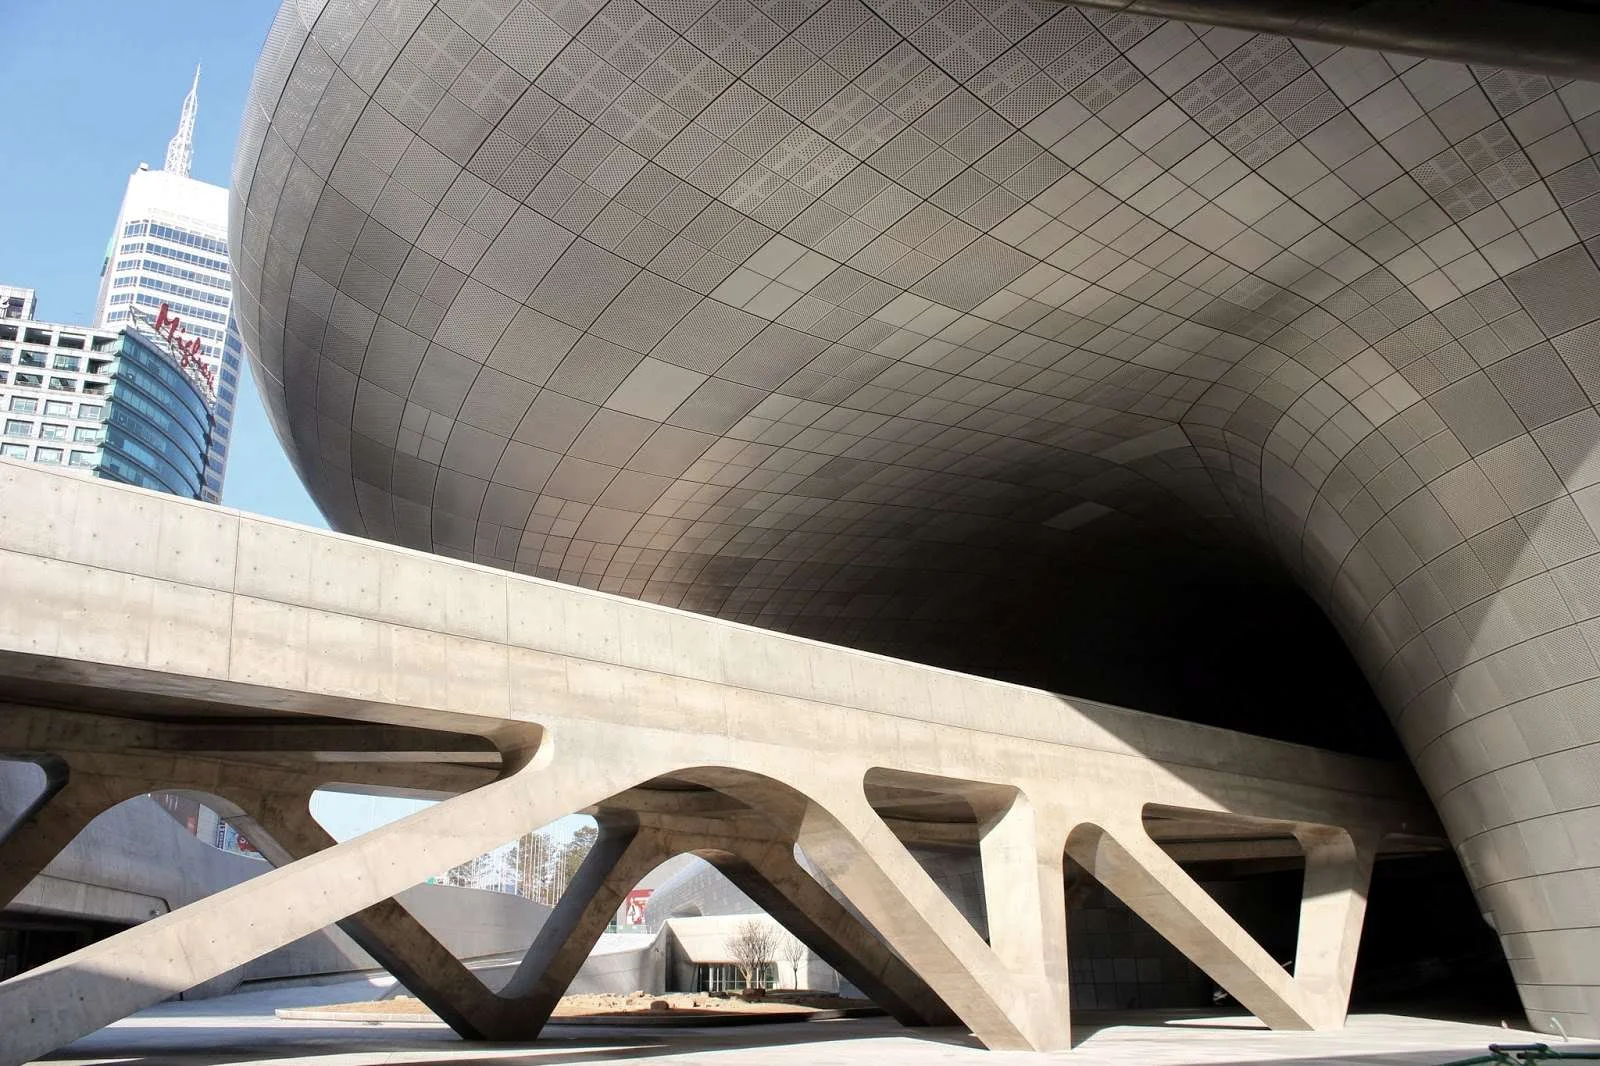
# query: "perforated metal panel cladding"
{"type": "Point", "coordinates": [886, 322]}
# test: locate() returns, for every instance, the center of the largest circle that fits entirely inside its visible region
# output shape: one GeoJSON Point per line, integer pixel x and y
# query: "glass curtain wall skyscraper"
{"type": "Point", "coordinates": [170, 246]}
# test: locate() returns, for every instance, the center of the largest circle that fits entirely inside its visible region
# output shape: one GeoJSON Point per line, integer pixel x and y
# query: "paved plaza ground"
{"type": "Point", "coordinates": [241, 1030]}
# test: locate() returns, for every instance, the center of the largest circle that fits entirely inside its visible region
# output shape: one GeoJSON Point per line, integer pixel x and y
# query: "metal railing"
{"type": "Point", "coordinates": [1522, 1055]}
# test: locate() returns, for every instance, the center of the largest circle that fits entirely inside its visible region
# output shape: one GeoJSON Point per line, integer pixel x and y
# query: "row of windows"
{"type": "Point", "coordinates": [37, 381]}
{"type": "Point", "coordinates": [46, 455]}
{"type": "Point", "coordinates": [139, 280]}
{"type": "Point", "coordinates": [123, 443]}
{"type": "Point", "coordinates": [155, 266]}
{"type": "Point", "coordinates": [38, 359]}
{"type": "Point", "coordinates": [19, 427]}
{"type": "Point", "coordinates": [727, 977]}
{"type": "Point", "coordinates": [176, 236]}
{"type": "Point", "coordinates": [162, 392]}
{"type": "Point", "coordinates": [152, 248]}
{"type": "Point", "coordinates": [27, 405]}
{"type": "Point", "coordinates": [187, 312]}
{"type": "Point", "coordinates": [181, 438]}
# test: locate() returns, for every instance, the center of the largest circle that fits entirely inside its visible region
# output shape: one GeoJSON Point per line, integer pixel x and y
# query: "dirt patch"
{"type": "Point", "coordinates": [678, 1004]}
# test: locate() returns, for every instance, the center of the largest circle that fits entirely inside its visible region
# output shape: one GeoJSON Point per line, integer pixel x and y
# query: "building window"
{"type": "Point", "coordinates": [17, 427]}
{"type": "Point", "coordinates": [63, 384]}
{"type": "Point", "coordinates": [31, 381]}
{"type": "Point", "coordinates": [24, 405]}
{"type": "Point", "coordinates": [89, 410]}
{"type": "Point", "coordinates": [53, 431]}
{"type": "Point", "coordinates": [47, 455]}
{"type": "Point", "coordinates": [31, 359]}
{"type": "Point", "coordinates": [726, 977]}
{"type": "Point", "coordinates": [58, 408]}
{"type": "Point", "coordinates": [6, 354]}
{"type": "Point", "coordinates": [14, 451]}
{"type": "Point", "coordinates": [86, 433]}
{"type": "Point", "coordinates": [66, 362]}
{"type": "Point", "coordinates": [81, 459]}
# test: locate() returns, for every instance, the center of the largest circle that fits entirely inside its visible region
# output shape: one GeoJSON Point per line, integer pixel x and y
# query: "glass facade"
{"type": "Point", "coordinates": [119, 406]}
{"type": "Point", "coordinates": [157, 423]}
{"type": "Point", "coordinates": [170, 248]}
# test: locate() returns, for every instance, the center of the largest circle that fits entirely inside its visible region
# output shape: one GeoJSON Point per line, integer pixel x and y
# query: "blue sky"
{"type": "Point", "coordinates": [95, 87]}
{"type": "Point", "coordinates": [81, 127]}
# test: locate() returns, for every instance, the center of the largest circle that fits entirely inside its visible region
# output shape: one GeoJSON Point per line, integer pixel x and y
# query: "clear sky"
{"type": "Point", "coordinates": [94, 88]}
{"type": "Point", "coordinates": [79, 128]}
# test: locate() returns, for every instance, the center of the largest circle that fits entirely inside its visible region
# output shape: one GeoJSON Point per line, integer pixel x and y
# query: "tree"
{"type": "Point", "coordinates": [535, 852]}
{"type": "Point", "coordinates": [795, 953]}
{"type": "Point", "coordinates": [576, 850]}
{"type": "Point", "coordinates": [544, 866]}
{"type": "Point", "coordinates": [753, 945]}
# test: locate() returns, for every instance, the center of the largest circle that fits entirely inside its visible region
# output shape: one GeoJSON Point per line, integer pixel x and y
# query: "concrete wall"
{"type": "Point", "coordinates": [623, 963]}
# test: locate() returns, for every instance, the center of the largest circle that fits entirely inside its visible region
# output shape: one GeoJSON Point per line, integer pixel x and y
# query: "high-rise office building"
{"type": "Point", "coordinates": [170, 247]}
{"type": "Point", "coordinates": [130, 403]}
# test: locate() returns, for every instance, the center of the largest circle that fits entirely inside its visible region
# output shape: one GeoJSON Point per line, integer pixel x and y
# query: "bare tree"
{"type": "Point", "coordinates": [535, 854]}
{"type": "Point", "coordinates": [795, 953]}
{"type": "Point", "coordinates": [576, 850]}
{"type": "Point", "coordinates": [754, 946]}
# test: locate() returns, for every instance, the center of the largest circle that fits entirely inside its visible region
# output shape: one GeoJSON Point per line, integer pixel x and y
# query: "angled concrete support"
{"type": "Point", "coordinates": [50, 1006]}
{"type": "Point", "coordinates": [1135, 869]}
{"type": "Point", "coordinates": [1333, 905]}
{"type": "Point", "coordinates": [620, 857]}
{"type": "Point", "coordinates": [853, 847]}
{"type": "Point", "coordinates": [283, 829]}
{"type": "Point", "coordinates": [1024, 888]}
{"type": "Point", "coordinates": [767, 872]}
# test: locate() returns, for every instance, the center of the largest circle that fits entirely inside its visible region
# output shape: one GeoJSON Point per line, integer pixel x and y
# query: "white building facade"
{"type": "Point", "coordinates": [17, 302]}
{"type": "Point", "coordinates": [170, 246]}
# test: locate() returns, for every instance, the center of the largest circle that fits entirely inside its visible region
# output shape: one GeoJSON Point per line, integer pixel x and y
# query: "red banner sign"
{"type": "Point", "coordinates": [187, 348]}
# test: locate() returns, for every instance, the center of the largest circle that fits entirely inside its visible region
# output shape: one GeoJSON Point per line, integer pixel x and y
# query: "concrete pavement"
{"type": "Point", "coordinates": [241, 1030]}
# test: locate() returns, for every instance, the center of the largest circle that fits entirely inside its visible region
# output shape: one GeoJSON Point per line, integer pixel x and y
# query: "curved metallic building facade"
{"type": "Point", "coordinates": [1047, 342]}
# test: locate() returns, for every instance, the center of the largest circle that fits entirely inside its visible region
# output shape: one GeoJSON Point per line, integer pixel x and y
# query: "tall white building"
{"type": "Point", "coordinates": [170, 246]}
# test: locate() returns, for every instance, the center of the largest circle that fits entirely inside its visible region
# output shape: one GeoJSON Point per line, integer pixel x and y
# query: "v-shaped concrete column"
{"type": "Point", "coordinates": [767, 872]}
{"type": "Point", "coordinates": [1005, 996]}
{"type": "Point", "coordinates": [1133, 867]}
{"type": "Point", "coordinates": [620, 857]}
{"type": "Point", "coordinates": [282, 828]}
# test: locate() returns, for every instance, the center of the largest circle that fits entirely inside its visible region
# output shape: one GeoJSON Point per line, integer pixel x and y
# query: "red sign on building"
{"type": "Point", "coordinates": [186, 348]}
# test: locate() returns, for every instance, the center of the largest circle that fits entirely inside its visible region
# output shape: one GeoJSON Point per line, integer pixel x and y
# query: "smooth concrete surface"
{"type": "Point", "coordinates": [241, 1029]}
{"type": "Point", "coordinates": [1032, 339]}
{"type": "Point", "coordinates": [249, 662]}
